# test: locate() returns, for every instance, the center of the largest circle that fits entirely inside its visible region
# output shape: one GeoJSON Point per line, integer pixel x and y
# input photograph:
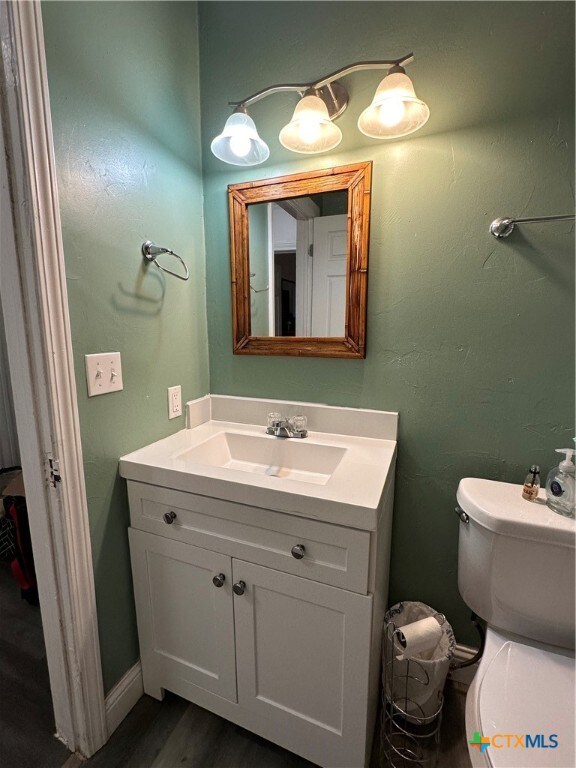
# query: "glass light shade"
{"type": "Point", "coordinates": [310, 129]}
{"type": "Point", "coordinates": [239, 143]}
{"type": "Point", "coordinates": [395, 110]}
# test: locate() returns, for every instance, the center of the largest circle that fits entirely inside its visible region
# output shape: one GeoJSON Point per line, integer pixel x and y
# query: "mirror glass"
{"type": "Point", "coordinates": [298, 260]}
{"type": "Point", "coordinates": [299, 263]}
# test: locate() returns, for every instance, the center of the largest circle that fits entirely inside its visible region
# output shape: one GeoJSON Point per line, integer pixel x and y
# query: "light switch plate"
{"type": "Point", "coordinates": [174, 402]}
{"type": "Point", "coordinates": [103, 373]}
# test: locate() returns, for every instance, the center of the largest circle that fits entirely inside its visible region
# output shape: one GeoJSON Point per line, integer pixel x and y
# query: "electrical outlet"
{"type": "Point", "coordinates": [103, 373]}
{"type": "Point", "coordinates": [174, 402]}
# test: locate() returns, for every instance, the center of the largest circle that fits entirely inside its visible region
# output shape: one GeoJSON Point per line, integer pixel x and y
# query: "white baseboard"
{"type": "Point", "coordinates": [463, 677]}
{"type": "Point", "coordinates": [127, 691]}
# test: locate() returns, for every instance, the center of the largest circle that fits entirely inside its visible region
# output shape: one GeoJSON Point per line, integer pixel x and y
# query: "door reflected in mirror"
{"type": "Point", "coordinates": [299, 263]}
{"type": "Point", "coordinates": [298, 260]}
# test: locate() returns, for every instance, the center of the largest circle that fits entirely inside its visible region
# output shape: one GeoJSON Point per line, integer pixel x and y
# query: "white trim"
{"type": "Point", "coordinates": [271, 277]}
{"type": "Point", "coordinates": [304, 263]}
{"type": "Point", "coordinates": [39, 344]}
{"type": "Point", "coordinates": [125, 694]}
{"type": "Point", "coordinates": [300, 208]}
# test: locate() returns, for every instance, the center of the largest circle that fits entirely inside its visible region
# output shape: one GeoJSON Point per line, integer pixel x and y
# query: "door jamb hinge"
{"type": "Point", "coordinates": [54, 475]}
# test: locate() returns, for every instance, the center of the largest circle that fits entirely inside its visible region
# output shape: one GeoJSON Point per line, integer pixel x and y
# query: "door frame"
{"type": "Point", "coordinates": [35, 305]}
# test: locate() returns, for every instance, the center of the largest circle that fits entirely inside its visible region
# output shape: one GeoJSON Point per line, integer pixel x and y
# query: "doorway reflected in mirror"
{"type": "Point", "coordinates": [298, 251]}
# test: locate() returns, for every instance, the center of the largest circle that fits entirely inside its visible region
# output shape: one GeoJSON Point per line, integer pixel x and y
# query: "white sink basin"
{"type": "Point", "coordinates": [290, 458]}
{"type": "Point", "coordinates": [338, 473]}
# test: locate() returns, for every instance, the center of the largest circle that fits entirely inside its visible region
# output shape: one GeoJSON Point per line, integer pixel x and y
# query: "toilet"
{"type": "Point", "coordinates": [516, 571]}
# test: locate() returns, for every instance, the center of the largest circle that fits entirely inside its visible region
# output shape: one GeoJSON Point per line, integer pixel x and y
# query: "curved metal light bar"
{"type": "Point", "coordinates": [321, 84]}
{"type": "Point", "coordinates": [504, 225]}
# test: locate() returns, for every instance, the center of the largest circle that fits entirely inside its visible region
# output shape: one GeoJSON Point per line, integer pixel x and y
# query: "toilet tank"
{"type": "Point", "coordinates": [516, 562]}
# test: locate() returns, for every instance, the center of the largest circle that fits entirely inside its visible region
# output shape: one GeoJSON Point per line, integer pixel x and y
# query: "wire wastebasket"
{"type": "Point", "coordinates": [412, 689]}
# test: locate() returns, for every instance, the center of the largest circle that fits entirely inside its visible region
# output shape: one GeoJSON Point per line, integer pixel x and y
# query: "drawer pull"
{"type": "Point", "coordinates": [298, 551]}
{"type": "Point", "coordinates": [239, 588]}
{"type": "Point", "coordinates": [169, 517]}
{"type": "Point", "coordinates": [219, 580]}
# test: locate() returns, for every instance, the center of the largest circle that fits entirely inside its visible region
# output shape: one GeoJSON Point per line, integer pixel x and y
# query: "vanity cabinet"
{"type": "Point", "coordinates": [267, 619]}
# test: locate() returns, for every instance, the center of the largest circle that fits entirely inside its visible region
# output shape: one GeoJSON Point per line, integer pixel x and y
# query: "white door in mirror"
{"type": "Point", "coordinates": [103, 373]}
{"type": "Point", "coordinates": [329, 275]}
{"type": "Point", "coordinates": [174, 402]}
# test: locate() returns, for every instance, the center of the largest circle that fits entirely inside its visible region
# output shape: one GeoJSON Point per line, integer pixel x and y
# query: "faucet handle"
{"type": "Point", "coordinates": [299, 423]}
{"type": "Point", "coordinates": [275, 419]}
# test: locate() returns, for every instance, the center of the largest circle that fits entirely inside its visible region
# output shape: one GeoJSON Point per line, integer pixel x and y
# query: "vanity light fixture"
{"type": "Point", "coordinates": [395, 111]}
{"type": "Point", "coordinates": [239, 143]}
{"type": "Point", "coordinates": [311, 129]}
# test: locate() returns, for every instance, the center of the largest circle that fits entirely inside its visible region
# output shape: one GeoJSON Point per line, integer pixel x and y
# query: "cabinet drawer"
{"type": "Point", "coordinates": [332, 554]}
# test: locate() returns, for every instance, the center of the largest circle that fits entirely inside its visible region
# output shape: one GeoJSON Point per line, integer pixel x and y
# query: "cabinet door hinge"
{"type": "Point", "coordinates": [54, 475]}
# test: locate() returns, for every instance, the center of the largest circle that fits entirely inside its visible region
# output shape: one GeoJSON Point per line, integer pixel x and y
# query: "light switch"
{"type": "Point", "coordinates": [103, 373]}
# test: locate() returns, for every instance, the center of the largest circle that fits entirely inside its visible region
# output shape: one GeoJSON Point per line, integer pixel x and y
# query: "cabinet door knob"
{"type": "Point", "coordinates": [298, 551]}
{"type": "Point", "coordinates": [169, 517]}
{"type": "Point", "coordinates": [219, 580]}
{"type": "Point", "coordinates": [239, 587]}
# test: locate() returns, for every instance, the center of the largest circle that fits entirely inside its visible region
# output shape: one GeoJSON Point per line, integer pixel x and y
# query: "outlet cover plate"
{"type": "Point", "coordinates": [174, 402]}
{"type": "Point", "coordinates": [103, 373]}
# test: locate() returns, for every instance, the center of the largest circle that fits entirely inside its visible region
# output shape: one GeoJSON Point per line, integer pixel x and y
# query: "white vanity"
{"type": "Point", "coordinates": [260, 569]}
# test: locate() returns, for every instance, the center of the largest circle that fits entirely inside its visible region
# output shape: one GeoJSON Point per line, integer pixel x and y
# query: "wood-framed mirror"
{"type": "Point", "coordinates": [299, 262]}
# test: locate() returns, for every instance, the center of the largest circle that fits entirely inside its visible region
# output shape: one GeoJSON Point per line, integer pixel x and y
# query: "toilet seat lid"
{"type": "Point", "coordinates": [528, 690]}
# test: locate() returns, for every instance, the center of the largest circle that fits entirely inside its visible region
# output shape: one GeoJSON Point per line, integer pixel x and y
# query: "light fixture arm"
{"type": "Point", "coordinates": [363, 65]}
{"type": "Point", "coordinates": [268, 92]}
{"type": "Point", "coordinates": [327, 80]}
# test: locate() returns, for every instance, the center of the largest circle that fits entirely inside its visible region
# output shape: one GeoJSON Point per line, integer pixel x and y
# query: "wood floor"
{"type": "Point", "coordinates": [175, 734]}
{"type": "Point", "coordinates": [26, 716]}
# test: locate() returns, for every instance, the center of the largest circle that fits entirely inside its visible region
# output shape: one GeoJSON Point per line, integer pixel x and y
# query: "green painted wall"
{"type": "Point", "coordinates": [470, 339]}
{"type": "Point", "coordinates": [124, 91]}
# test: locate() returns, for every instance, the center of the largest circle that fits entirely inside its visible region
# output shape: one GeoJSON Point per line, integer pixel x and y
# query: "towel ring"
{"type": "Point", "coordinates": [151, 251]}
{"type": "Point", "coordinates": [256, 290]}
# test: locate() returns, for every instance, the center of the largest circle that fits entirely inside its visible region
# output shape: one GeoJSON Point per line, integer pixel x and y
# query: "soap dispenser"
{"type": "Point", "coordinates": [560, 485]}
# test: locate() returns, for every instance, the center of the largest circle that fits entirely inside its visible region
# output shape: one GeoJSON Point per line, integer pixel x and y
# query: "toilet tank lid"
{"type": "Point", "coordinates": [501, 508]}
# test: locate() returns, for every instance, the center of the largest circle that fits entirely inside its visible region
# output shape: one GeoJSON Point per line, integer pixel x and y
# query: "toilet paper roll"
{"type": "Point", "coordinates": [418, 637]}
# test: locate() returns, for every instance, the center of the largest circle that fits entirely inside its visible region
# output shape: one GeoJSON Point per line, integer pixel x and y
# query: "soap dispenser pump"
{"type": "Point", "coordinates": [560, 485]}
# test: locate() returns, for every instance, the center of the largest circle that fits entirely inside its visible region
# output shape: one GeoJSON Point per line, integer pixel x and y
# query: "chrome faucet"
{"type": "Point", "coordinates": [281, 427]}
